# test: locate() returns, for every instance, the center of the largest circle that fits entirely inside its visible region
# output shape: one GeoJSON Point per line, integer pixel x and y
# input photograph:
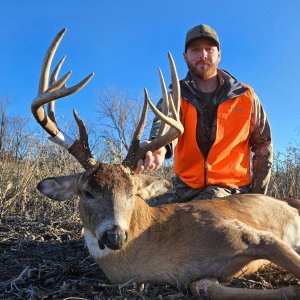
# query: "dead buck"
{"type": "Point", "coordinates": [197, 242]}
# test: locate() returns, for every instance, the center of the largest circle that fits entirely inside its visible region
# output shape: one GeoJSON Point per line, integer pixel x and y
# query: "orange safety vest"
{"type": "Point", "coordinates": [228, 161]}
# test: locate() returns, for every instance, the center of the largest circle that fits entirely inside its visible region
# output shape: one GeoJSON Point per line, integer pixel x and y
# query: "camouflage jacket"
{"type": "Point", "coordinates": [260, 141]}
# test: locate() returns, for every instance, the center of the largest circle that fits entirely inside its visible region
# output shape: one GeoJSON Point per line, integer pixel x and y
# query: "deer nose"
{"type": "Point", "coordinates": [115, 237]}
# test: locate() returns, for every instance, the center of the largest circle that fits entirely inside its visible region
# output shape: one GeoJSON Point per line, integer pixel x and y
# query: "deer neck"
{"type": "Point", "coordinates": [143, 217]}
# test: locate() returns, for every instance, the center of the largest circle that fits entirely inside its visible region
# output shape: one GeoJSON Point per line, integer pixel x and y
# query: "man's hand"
{"type": "Point", "coordinates": [152, 161]}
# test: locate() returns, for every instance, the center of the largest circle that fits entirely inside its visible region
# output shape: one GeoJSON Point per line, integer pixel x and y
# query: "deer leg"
{"type": "Point", "coordinates": [270, 248]}
{"type": "Point", "coordinates": [280, 253]}
{"type": "Point", "coordinates": [266, 245]}
{"type": "Point", "coordinates": [210, 289]}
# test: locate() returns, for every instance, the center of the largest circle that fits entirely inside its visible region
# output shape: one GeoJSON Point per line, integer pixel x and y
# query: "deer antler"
{"type": "Point", "coordinates": [170, 128]}
{"type": "Point", "coordinates": [48, 94]}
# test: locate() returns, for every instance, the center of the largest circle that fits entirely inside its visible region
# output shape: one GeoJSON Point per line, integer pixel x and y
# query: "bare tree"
{"type": "Point", "coordinates": [118, 118]}
{"type": "Point", "coordinates": [3, 122]}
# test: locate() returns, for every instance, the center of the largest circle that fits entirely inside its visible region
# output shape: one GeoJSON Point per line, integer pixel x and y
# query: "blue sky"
{"type": "Point", "coordinates": [124, 42]}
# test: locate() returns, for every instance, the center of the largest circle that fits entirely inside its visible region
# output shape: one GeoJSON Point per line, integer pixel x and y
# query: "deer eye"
{"type": "Point", "coordinates": [87, 194]}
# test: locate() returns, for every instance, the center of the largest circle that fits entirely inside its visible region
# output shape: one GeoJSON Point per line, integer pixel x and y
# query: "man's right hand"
{"type": "Point", "coordinates": [152, 161]}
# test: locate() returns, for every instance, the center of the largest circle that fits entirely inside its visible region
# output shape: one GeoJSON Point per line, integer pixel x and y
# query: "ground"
{"type": "Point", "coordinates": [46, 259]}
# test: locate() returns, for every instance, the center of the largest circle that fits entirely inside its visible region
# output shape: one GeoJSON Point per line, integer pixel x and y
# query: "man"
{"type": "Point", "coordinates": [224, 121]}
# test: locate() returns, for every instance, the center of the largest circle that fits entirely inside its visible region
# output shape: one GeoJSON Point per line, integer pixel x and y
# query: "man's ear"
{"type": "Point", "coordinates": [220, 55]}
{"type": "Point", "coordinates": [184, 56]}
{"type": "Point", "coordinates": [59, 188]}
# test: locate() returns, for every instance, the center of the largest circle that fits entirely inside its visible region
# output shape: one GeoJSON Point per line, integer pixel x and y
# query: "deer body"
{"type": "Point", "coordinates": [179, 243]}
{"type": "Point", "coordinates": [183, 242]}
{"type": "Point", "coordinates": [194, 243]}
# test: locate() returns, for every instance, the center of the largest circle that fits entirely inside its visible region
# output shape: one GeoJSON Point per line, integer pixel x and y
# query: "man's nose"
{"type": "Point", "coordinates": [202, 53]}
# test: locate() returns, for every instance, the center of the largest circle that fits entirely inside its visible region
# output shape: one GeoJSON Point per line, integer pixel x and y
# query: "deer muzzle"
{"type": "Point", "coordinates": [114, 238]}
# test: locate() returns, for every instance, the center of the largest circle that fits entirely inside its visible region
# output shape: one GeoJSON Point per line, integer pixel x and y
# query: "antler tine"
{"type": "Point", "coordinates": [53, 79]}
{"type": "Point", "coordinates": [165, 104]}
{"type": "Point", "coordinates": [37, 108]}
{"type": "Point", "coordinates": [176, 128]}
{"type": "Point", "coordinates": [136, 151]}
{"type": "Point", "coordinates": [140, 128]}
{"type": "Point", "coordinates": [130, 159]}
{"type": "Point", "coordinates": [57, 90]}
{"type": "Point", "coordinates": [176, 88]}
{"type": "Point", "coordinates": [80, 148]}
{"type": "Point", "coordinates": [43, 85]}
{"type": "Point", "coordinates": [47, 95]}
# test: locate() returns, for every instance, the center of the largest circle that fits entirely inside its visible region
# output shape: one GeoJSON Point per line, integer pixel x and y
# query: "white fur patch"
{"type": "Point", "coordinates": [62, 139]}
{"type": "Point", "coordinates": [292, 234]}
{"type": "Point", "coordinates": [92, 244]}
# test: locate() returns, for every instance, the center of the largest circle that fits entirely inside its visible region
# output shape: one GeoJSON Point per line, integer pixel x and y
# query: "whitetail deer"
{"type": "Point", "coordinates": [196, 243]}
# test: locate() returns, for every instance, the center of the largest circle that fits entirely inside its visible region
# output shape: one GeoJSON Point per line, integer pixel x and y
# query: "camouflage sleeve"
{"type": "Point", "coordinates": [262, 148]}
{"type": "Point", "coordinates": [154, 131]}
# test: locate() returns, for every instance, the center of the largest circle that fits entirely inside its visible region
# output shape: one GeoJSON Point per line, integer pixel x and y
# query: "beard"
{"type": "Point", "coordinates": [203, 74]}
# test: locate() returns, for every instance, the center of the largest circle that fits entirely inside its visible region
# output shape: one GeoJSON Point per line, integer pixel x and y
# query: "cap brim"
{"type": "Point", "coordinates": [204, 38]}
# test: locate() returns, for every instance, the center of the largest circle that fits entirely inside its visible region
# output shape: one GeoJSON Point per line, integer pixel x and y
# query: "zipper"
{"type": "Point", "coordinates": [205, 173]}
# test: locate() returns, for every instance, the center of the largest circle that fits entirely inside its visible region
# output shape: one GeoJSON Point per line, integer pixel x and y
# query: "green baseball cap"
{"type": "Point", "coordinates": [201, 32]}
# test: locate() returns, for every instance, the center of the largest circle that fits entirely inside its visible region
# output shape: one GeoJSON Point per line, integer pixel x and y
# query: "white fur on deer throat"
{"type": "Point", "coordinates": [93, 246]}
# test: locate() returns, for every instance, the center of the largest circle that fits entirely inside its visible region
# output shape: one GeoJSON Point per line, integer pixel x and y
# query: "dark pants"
{"type": "Point", "coordinates": [181, 192]}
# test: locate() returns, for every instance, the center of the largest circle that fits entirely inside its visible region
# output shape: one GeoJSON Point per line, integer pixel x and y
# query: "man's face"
{"type": "Point", "coordinates": [202, 58]}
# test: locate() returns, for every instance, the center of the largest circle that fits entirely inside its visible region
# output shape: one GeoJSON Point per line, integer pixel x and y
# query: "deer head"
{"type": "Point", "coordinates": [107, 191]}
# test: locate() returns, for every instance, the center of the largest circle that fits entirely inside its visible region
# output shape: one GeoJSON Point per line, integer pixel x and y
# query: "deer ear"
{"type": "Point", "coordinates": [59, 188]}
{"type": "Point", "coordinates": [151, 186]}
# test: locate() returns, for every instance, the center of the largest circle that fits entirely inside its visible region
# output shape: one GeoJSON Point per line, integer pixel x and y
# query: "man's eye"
{"type": "Point", "coordinates": [88, 194]}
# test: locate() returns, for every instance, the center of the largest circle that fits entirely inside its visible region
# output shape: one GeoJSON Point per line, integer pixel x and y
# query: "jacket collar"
{"type": "Point", "coordinates": [231, 86]}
